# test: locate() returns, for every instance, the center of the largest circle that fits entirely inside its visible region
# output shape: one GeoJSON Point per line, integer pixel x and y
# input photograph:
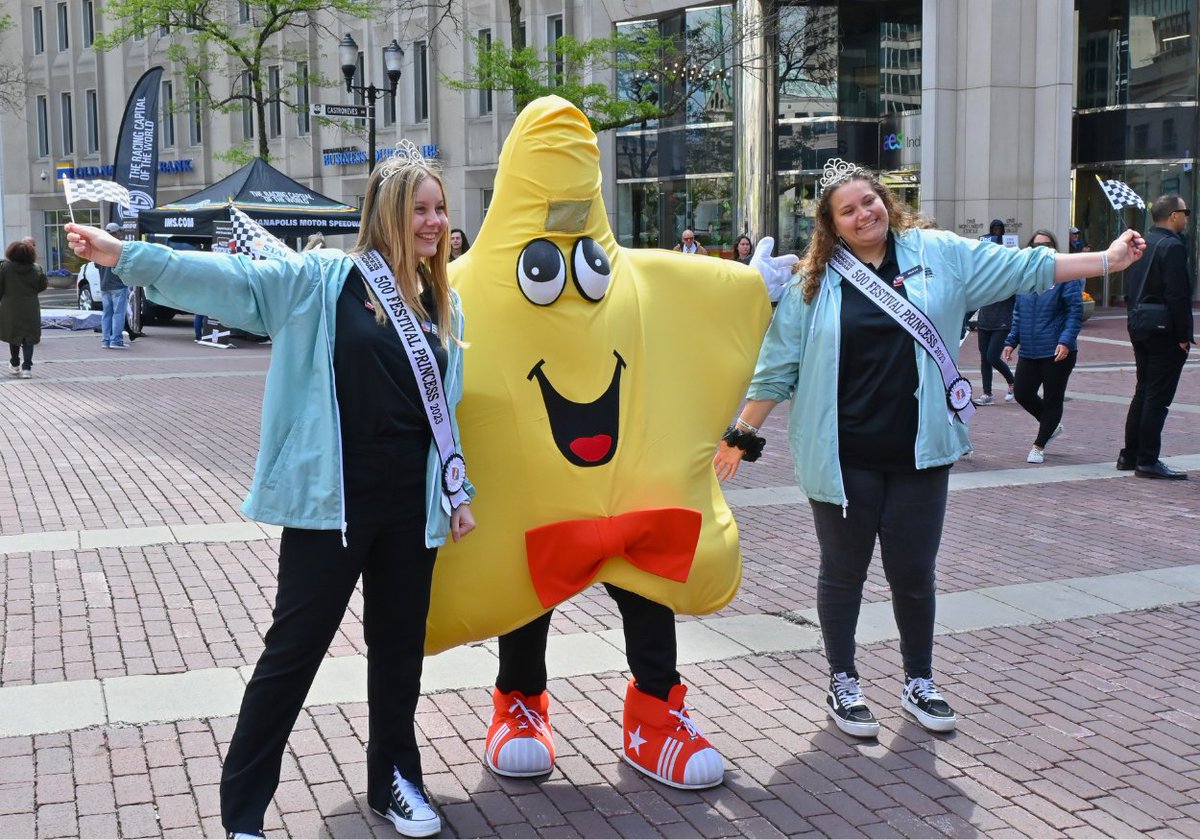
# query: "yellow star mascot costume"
{"type": "Point", "coordinates": [596, 385]}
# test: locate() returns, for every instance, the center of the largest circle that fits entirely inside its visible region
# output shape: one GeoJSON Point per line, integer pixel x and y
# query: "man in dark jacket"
{"type": "Point", "coordinates": [1162, 277]}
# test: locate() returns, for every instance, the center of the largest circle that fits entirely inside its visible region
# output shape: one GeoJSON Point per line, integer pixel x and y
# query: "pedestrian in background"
{"type": "Point", "coordinates": [315, 240]}
{"type": "Point", "coordinates": [21, 281]}
{"type": "Point", "coordinates": [743, 249]}
{"type": "Point", "coordinates": [991, 326]}
{"type": "Point", "coordinates": [875, 424]}
{"type": "Point", "coordinates": [114, 298]}
{"type": "Point", "coordinates": [1045, 327]}
{"type": "Point", "coordinates": [689, 245]}
{"type": "Point", "coordinates": [459, 243]}
{"type": "Point", "coordinates": [1160, 355]}
{"type": "Point", "coordinates": [348, 465]}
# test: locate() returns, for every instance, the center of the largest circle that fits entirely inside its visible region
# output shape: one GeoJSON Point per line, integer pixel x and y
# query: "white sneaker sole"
{"type": "Point", "coordinates": [858, 730]}
{"type": "Point", "coordinates": [511, 774]}
{"type": "Point", "coordinates": [670, 782]}
{"type": "Point", "coordinates": [929, 722]}
{"type": "Point", "coordinates": [412, 828]}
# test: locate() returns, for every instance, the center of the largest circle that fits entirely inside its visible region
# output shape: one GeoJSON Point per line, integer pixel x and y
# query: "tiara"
{"type": "Point", "coordinates": [837, 171]}
{"type": "Point", "coordinates": [404, 155]}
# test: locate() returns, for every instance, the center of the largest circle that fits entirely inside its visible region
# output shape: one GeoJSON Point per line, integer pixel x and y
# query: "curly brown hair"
{"type": "Point", "coordinates": [825, 237]}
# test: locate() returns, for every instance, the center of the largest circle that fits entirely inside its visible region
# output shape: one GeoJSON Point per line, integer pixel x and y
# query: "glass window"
{"type": "Point", "coordinates": [53, 253]}
{"type": "Point", "coordinates": [637, 216]}
{"type": "Point", "coordinates": [797, 203]}
{"type": "Point", "coordinates": [39, 31]}
{"type": "Point", "coordinates": [900, 68]}
{"type": "Point", "coordinates": [708, 47]}
{"type": "Point", "coordinates": [421, 81]}
{"type": "Point", "coordinates": [195, 115]}
{"type": "Point", "coordinates": [485, 96]}
{"type": "Point", "coordinates": [303, 99]}
{"type": "Point", "coordinates": [64, 29]}
{"type": "Point", "coordinates": [638, 85]}
{"type": "Point", "coordinates": [274, 102]}
{"type": "Point", "coordinates": [554, 31]}
{"type": "Point", "coordinates": [91, 107]}
{"type": "Point", "coordinates": [1142, 54]}
{"type": "Point", "coordinates": [807, 49]}
{"type": "Point", "coordinates": [168, 115]}
{"type": "Point", "coordinates": [67, 117]}
{"type": "Point", "coordinates": [88, 19]}
{"type": "Point", "coordinates": [43, 126]}
{"type": "Point", "coordinates": [243, 11]}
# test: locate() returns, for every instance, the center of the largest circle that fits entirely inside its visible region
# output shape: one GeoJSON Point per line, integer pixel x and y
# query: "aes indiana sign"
{"type": "Point", "coordinates": [320, 109]}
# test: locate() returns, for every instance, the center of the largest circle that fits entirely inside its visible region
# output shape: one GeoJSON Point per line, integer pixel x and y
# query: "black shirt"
{"type": "Point", "coordinates": [877, 379]}
{"type": "Point", "coordinates": [377, 393]}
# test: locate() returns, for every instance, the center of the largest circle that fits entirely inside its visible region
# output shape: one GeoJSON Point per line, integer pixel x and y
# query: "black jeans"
{"type": "Point", "coordinates": [1159, 365]}
{"type": "Point", "coordinates": [25, 348]}
{"type": "Point", "coordinates": [991, 345]}
{"type": "Point", "coordinates": [649, 646]}
{"type": "Point", "coordinates": [1051, 377]}
{"type": "Point", "coordinates": [317, 576]}
{"type": "Point", "coordinates": [905, 511]}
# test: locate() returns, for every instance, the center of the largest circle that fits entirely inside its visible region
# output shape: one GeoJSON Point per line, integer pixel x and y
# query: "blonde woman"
{"type": "Point", "coordinates": [883, 410]}
{"type": "Point", "coordinates": [348, 465]}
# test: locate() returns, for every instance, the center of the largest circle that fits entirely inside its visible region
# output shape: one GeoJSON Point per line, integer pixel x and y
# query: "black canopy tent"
{"type": "Point", "coordinates": [286, 208]}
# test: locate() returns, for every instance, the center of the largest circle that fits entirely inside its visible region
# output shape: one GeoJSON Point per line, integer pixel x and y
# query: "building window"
{"type": "Point", "coordinates": [554, 31]}
{"type": "Point", "coordinates": [303, 124]}
{"type": "Point", "coordinates": [54, 252]}
{"type": "Point", "coordinates": [88, 19]}
{"type": "Point", "coordinates": [247, 108]}
{"type": "Point", "coordinates": [421, 81]}
{"type": "Point", "coordinates": [485, 96]}
{"type": "Point", "coordinates": [168, 115]}
{"type": "Point", "coordinates": [43, 126]}
{"type": "Point", "coordinates": [64, 29]}
{"type": "Point", "coordinates": [243, 11]}
{"type": "Point", "coordinates": [195, 115]}
{"type": "Point", "coordinates": [66, 114]}
{"type": "Point", "coordinates": [91, 108]}
{"type": "Point", "coordinates": [39, 31]}
{"type": "Point", "coordinates": [274, 105]}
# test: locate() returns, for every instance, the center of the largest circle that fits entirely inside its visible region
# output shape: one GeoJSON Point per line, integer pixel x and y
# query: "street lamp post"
{"type": "Point", "coordinates": [393, 55]}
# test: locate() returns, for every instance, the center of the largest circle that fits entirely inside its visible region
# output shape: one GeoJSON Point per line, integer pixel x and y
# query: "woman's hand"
{"type": "Point", "coordinates": [461, 522]}
{"type": "Point", "coordinates": [1125, 250]}
{"type": "Point", "coordinates": [91, 243]}
{"type": "Point", "coordinates": [1061, 352]}
{"type": "Point", "coordinates": [1008, 353]}
{"type": "Point", "coordinates": [727, 460]}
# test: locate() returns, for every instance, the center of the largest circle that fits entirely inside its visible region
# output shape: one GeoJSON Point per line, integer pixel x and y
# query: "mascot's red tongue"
{"type": "Point", "coordinates": [591, 448]}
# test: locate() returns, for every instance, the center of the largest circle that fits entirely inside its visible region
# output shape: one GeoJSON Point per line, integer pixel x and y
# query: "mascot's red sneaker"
{"type": "Point", "coordinates": [520, 742]}
{"type": "Point", "coordinates": [663, 742]}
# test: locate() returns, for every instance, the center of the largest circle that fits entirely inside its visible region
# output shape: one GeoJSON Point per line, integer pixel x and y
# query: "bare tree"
{"type": "Point", "coordinates": [14, 83]}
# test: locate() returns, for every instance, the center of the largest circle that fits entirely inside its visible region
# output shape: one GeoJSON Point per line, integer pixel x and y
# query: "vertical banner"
{"type": "Point", "coordinates": [135, 167]}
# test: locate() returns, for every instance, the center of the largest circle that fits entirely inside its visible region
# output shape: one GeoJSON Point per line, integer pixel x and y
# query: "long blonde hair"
{"type": "Point", "coordinates": [825, 236]}
{"type": "Point", "coordinates": [387, 215]}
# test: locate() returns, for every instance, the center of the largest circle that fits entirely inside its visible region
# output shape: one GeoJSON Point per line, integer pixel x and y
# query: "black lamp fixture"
{"type": "Point", "coordinates": [393, 58]}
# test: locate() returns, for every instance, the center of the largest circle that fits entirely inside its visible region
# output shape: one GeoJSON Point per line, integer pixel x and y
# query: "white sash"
{"type": "Point", "coordinates": [424, 366]}
{"type": "Point", "coordinates": [915, 322]}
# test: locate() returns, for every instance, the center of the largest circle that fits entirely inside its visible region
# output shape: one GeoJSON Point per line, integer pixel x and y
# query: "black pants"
{"type": "Point", "coordinates": [991, 345]}
{"type": "Point", "coordinates": [649, 646]}
{"type": "Point", "coordinates": [317, 575]}
{"type": "Point", "coordinates": [1159, 365]}
{"type": "Point", "coordinates": [25, 348]}
{"type": "Point", "coordinates": [905, 511]}
{"type": "Point", "coordinates": [1051, 377]}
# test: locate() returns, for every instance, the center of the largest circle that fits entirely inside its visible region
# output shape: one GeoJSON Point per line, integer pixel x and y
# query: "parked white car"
{"type": "Point", "coordinates": [87, 286]}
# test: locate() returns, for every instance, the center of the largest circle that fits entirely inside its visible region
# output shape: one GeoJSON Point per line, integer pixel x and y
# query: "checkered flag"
{"type": "Point", "coordinates": [78, 190]}
{"type": "Point", "coordinates": [252, 239]}
{"type": "Point", "coordinates": [1121, 195]}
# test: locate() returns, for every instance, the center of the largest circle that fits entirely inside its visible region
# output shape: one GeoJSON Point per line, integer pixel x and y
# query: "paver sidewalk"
{"type": "Point", "coordinates": [1087, 724]}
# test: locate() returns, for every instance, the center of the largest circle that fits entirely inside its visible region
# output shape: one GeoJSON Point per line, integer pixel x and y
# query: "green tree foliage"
{"type": "Point", "coordinates": [226, 46]}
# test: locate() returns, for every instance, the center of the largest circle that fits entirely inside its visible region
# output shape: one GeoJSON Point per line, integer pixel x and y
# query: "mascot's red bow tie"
{"type": "Point", "coordinates": [564, 557]}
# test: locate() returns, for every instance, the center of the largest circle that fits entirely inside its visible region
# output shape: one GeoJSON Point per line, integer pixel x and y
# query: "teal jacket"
{"type": "Point", "coordinates": [799, 356]}
{"type": "Point", "coordinates": [298, 474]}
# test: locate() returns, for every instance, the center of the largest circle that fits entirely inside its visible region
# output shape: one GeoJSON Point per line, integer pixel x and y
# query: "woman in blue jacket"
{"type": "Point", "coordinates": [1045, 327]}
{"type": "Point", "coordinates": [347, 463]}
{"type": "Point", "coordinates": [880, 414]}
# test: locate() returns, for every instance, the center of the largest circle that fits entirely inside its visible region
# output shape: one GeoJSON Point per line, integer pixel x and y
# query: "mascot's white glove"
{"type": "Point", "coordinates": [775, 271]}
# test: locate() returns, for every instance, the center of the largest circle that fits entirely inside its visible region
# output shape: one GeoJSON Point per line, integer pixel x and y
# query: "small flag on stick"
{"type": "Point", "coordinates": [253, 239]}
{"type": "Point", "coordinates": [1120, 195]}
{"type": "Point", "coordinates": [77, 190]}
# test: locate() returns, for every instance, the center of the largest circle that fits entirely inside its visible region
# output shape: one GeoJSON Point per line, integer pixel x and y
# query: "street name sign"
{"type": "Point", "coordinates": [320, 109]}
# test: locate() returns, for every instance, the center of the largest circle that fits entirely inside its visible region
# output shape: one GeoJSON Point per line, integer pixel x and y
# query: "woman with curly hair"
{"type": "Point", "coordinates": [880, 410]}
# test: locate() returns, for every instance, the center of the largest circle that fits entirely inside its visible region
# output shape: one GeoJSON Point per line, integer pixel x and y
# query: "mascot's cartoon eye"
{"type": "Point", "coordinates": [591, 269]}
{"type": "Point", "coordinates": [541, 272]}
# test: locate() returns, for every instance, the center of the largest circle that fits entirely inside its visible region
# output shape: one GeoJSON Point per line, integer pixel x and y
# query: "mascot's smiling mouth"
{"type": "Point", "coordinates": [585, 433]}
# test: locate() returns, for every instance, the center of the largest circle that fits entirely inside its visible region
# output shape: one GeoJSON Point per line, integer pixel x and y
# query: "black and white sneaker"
{"type": "Point", "coordinates": [923, 701]}
{"type": "Point", "coordinates": [409, 810]}
{"type": "Point", "coordinates": [848, 708]}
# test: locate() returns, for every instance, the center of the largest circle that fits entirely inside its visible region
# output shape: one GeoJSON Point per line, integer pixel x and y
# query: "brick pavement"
{"type": "Point", "coordinates": [1070, 728]}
